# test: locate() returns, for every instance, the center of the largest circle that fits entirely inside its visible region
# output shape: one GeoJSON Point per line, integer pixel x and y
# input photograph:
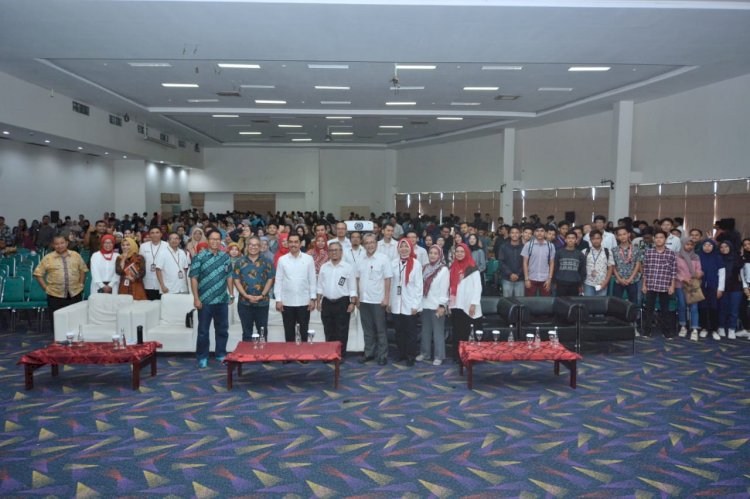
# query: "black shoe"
{"type": "Point", "coordinates": [363, 360]}
{"type": "Point", "coordinates": [382, 362]}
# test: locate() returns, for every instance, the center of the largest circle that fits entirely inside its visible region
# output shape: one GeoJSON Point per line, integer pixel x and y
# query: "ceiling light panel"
{"type": "Point", "coordinates": [249, 133]}
{"type": "Point", "coordinates": [449, 118]}
{"type": "Point", "coordinates": [225, 115]}
{"type": "Point", "coordinates": [589, 68]}
{"type": "Point", "coordinates": [465, 103]}
{"type": "Point", "coordinates": [331, 87]}
{"type": "Point", "coordinates": [180, 85]}
{"type": "Point", "coordinates": [195, 101]}
{"type": "Point", "coordinates": [289, 126]}
{"type": "Point", "coordinates": [416, 66]}
{"type": "Point", "coordinates": [150, 64]}
{"type": "Point", "coordinates": [555, 89]}
{"type": "Point", "coordinates": [400, 103]}
{"type": "Point", "coordinates": [491, 67]}
{"type": "Point", "coordinates": [328, 66]}
{"type": "Point", "coordinates": [335, 102]}
{"type": "Point", "coordinates": [342, 133]}
{"type": "Point", "coordinates": [481, 89]}
{"type": "Point", "coordinates": [338, 117]}
{"type": "Point", "coordinates": [232, 65]}
{"type": "Point", "coordinates": [301, 140]}
{"type": "Point", "coordinates": [266, 101]}
{"type": "Point", "coordinates": [396, 89]}
{"type": "Point", "coordinates": [258, 86]}
{"type": "Point", "coordinates": [391, 126]}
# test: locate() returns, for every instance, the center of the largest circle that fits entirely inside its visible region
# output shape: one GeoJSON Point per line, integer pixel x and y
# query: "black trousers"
{"type": "Point", "coordinates": [666, 318]}
{"type": "Point", "coordinates": [461, 323]}
{"type": "Point", "coordinates": [336, 321]}
{"type": "Point", "coordinates": [153, 294]}
{"type": "Point", "coordinates": [406, 335]}
{"type": "Point", "coordinates": [567, 289]}
{"type": "Point", "coordinates": [56, 303]}
{"type": "Point", "coordinates": [291, 316]}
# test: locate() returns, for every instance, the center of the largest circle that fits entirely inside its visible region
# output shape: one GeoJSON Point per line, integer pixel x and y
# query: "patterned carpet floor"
{"type": "Point", "coordinates": [673, 420]}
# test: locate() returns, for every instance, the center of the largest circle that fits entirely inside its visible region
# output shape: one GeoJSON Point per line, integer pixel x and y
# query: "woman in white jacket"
{"type": "Point", "coordinates": [406, 300]}
{"type": "Point", "coordinates": [465, 296]}
{"type": "Point", "coordinates": [434, 306]}
{"type": "Point", "coordinates": [104, 279]}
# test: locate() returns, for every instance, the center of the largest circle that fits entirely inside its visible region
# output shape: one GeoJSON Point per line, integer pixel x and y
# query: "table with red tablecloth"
{"type": "Point", "coordinates": [485, 351]}
{"type": "Point", "coordinates": [329, 351]}
{"type": "Point", "coordinates": [90, 353]}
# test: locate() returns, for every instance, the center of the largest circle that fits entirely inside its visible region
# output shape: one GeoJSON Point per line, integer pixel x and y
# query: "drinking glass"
{"type": "Point", "coordinates": [479, 334]}
{"type": "Point", "coordinates": [495, 335]}
{"type": "Point", "coordinates": [310, 335]}
{"type": "Point", "coordinates": [256, 339]}
{"type": "Point", "coordinates": [530, 340]}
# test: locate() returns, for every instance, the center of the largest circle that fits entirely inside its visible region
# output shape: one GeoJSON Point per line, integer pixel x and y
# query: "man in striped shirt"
{"type": "Point", "coordinates": [659, 274]}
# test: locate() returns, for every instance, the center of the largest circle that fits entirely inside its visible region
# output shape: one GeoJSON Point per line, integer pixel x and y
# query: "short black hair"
{"type": "Point", "coordinates": [600, 217]}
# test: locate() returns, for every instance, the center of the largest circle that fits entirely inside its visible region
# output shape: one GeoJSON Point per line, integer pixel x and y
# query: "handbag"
{"type": "Point", "coordinates": [693, 292]}
{"type": "Point", "coordinates": [189, 319]}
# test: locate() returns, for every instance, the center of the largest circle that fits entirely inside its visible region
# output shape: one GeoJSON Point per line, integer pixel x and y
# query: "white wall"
{"type": "Point", "coordinates": [35, 180]}
{"type": "Point", "coordinates": [219, 202]}
{"type": "Point", "coordinates": [167, 179]}
{"type": "Point", "coordinates": [350, 177]}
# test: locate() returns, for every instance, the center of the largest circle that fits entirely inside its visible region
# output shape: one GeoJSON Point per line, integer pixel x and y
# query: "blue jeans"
{"type": "Point", "coordinates": [219, 313]}
{"type": "Point", "coordinates": [633, 290]}
{"type": "Point", "coordinates": [252, 316]}
{"type": "Point", "coordinates": [729, 309]}
{"type": "Point", "coordinates": [589, 290]}
{"type": "Point", "coordinates": [511, 288]}
{"type": "Point", "coordinates": [683, 308]}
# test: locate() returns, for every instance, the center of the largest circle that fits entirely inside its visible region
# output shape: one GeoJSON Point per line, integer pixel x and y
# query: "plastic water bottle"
{"type": "Point", "coordinates": [557, 338]}
{"type": "Point", "coordinates": [297, 335]}
{"type": "Point", "coordinates": [537, 339]}
{"type": "Point", "coordinates": [262, 337]}
{"type": "Point", "coordinates": [511, 336]}
{"type": "Point", "coordinates": [472, 339]}
{"type": "Point", "coordinates": [80, 335]}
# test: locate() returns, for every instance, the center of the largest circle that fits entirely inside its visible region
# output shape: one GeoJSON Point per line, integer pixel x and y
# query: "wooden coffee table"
{"type": "Point", "coordinates": [246, 351]}
{"type": "Point", "coordinates": [486, 351]}
{"type": "Point", "coordinates": [90, 353]}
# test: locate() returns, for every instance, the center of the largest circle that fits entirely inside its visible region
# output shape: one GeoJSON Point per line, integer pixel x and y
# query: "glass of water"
{"type": "Point", "coordinates": [310, 335]}
{"type": "Point", "coordinates": [479, 334]}
{"type": "Point", "coordinates": [256, 339]}
{"type": "Point", "coordinates": [530, 340]}
{"type": "Point", "coordinates": [495, 335]}
{"type": "Point", "coordinates": [553, 338]}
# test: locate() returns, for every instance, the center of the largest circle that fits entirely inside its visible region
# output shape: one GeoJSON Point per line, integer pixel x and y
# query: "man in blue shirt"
{"type": "Point", "coordinates": [253, 276]}
{"type": "Point", "coordinates": [211, 280]}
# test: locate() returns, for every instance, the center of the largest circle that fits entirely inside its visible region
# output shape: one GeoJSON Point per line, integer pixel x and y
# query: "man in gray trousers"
{"type": "Point", "coordinates": [374, 285]}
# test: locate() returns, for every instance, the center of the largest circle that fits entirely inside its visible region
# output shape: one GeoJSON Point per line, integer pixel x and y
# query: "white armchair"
{"type": "Point", "coordinates": [164, 321]}
{"type": "Point", "coordinates": [99, 317]}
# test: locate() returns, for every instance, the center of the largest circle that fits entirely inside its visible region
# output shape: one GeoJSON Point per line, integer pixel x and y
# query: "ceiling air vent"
{"type": "Point", "coordinates": [260, 121]}
{"type": "Point", "coordinates": [507, 97]}
{"type": "Point", "coordinates": [81, 108]}
{"type": "Point", "coordinates": [230, 93]}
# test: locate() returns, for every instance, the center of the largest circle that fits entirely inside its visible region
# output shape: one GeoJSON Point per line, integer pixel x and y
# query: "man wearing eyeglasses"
{"type": "Point", "coordinates": [253, 277]}
{"type": "Point", "coordinates": [337, 295]}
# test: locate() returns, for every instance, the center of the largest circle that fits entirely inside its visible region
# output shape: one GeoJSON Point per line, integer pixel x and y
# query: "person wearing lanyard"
{"type": "Point", "coordinates": [356, 252]}
{"type": "Point", "coordinates": [172, 266]}
{"type": "Point", "coordinates": [150, 252]}
{"type": "Point", "coordinates": [628, 261]}
{"type": "Point", "coordinates": [337, 296]}
{"type": "Point", "coordinates": [599, 265]}
{"type": "Point", "coordinates": [374, 275]}
{"type": "Point", "coordinates": [406, 300]}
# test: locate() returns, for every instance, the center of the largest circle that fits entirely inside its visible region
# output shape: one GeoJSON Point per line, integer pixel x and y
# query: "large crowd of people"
{"type": "Point", "coordinates": [407, 267]}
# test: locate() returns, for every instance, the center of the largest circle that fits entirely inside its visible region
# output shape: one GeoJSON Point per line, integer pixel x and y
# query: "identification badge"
{"type": "Point", "coordinates": [153, 267]}
{"type": "Point", "coordinates": [126, 283]}
{"type": "Point", "coordinates": [594, 273]}
{"type": "Point", "coordinates": [226, 268]}
{"type": "Point", "coordinates": [398, 290]}
{"type": "Point", "coordinates": [342, 281]}
{"type": "Point", "coordinates": [181, 274]}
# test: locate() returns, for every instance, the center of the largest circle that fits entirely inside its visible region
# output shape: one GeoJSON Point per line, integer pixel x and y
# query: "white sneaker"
{"type": "Point", "coordinates": [742, 334]}
{"type": "Point", "coordinates": [703, 333]}
{"type": "Point", "coordinates": [419, 358]}
{"type": "Point", "coordinates": [694, 335]}
{"type": "Point", "coordinates": [731, 334]}
{"type": "Point", "coordinates": [437, 362]}
{"type": "Point", "coordinates": [683, 332]}
{"type": "Point", "coordinates": [716, 336]}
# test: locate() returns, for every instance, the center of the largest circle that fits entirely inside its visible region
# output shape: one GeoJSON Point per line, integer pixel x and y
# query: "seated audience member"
{"type": "Point", "coordinates": [104, 278]}
{"type": "Point", "coordinates": [570, 268]}
{"type": "Point", "coordinates": [131, 268]}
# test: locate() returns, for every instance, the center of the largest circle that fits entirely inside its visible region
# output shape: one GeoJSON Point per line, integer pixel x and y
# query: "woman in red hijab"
{"type": "Point", "coordinates": [465, 296]}
{"type": "Point", "coordinates": [283, 248]}
{"type": "Point", "coordinates": [319, 252]}
{"type": "Point", "coordinates": [406, 299]}
{"type": "Point", "coordinates": [104, 278]}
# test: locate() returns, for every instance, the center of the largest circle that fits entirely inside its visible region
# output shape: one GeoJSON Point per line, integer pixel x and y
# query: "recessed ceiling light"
{"type": "Point", "coordinates": [264, 101]}
{"type": "Point", "coordinates": [80, 148]}
{"type": "Point", "coordinates": [450, 118]}
{"type": "Point", "coordinates": [342, 133]}
{"type": "Point", "coordinates": [301, 140]}
{"type": "Point", "coordinates": [338, 117]}
{"type": "Point", "coordinates": [202, 100]}
{"type": "Point", "coordinates": [391, 126]}
{"type": "Point", "coordinates": [465, 103]}
{"type": "Point", "coordinates": [335, 102]}
{"type": "Point", "coordinates": [401, 103]}
{"type": "Point", "coordinates": [150, 64]}
{"type": "Point", "coordinates": [249, 133]}
{"type": "Point", "coordinates": [395, 89]}
{"type": "Point", "coordinates": [589, 68]}
{"type": "Point", "coordinates": [289, 126]}
{"type": "Point", "coordinates": [231, 65]}
{"type": "Point", "coordinates": [106, 153]}
{"type": "Point", "coordinates": [415, 66]}
{"type": "Point", "coordinates": [257, 86]}
{"type": "Point", "coordinates": [6, 132]}
{"type": "Point", "coordinates": [328, 66]}
{"type": "Point", "coordinates": [330, 87]}
{"type": "Point", "coordinates": [501, 68]}
{"type": "Point", "coordinates": [47, 141]}
{"type": "Point", "coordinates": [555, 89]}
{"type": "Point", "coordinates": [124, 157]}
{"type": "Point", "coordinates": [481, 89]}
{"type": "Point", "coordinates": [225, 115]}
{"type": "Point", "coordinates": [180, 85]}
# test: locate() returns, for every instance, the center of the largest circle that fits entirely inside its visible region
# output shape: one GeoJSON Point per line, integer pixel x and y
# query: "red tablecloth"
{"type": "Point", "coordinates": [325, 351]}
{"type": "Point", "coordinates": [504, 352]}
{"type": "Point", "coordinates": [89, 353]}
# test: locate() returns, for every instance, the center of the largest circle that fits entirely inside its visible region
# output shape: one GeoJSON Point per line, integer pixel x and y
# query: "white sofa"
{"type": "Point", "coordinates": [99, 318]}
{"type": "Point", "coordinates": [164, 321]}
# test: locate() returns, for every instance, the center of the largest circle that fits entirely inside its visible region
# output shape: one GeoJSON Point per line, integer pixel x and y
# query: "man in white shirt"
{"type": "Point", "coordinates": [419, 251]}
{"type": "Point", "coordinates": [374, 275]}
{"type": "Point", "coordinates": [387, 245]}
{"type": "Point", "coordinates": [172, 266]}
{"type": "Point", "coordinates": [356, 252]}
{"type": "Point", "coordinates": [609, 240]}
{"type": "Point", "coordinates": [341, 237]}
{"type": "Point", "coordinates": [337, 296]}
{"type": "Point", "coordinates": [673, 242]}
{"type": "Point", "coordinates": [295, 288]}
{"type": "Point", "coordinates": [151, 251]}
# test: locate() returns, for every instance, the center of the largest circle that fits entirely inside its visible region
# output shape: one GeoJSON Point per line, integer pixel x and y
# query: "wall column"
{"type": "Point", "coordinates": [622, 152]}
{"type": "Point", "coordinates": [508, 169]}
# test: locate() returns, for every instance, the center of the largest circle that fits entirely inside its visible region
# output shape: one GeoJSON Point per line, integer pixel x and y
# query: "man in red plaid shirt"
{"type": "Point", "coordinates": [659, 274]}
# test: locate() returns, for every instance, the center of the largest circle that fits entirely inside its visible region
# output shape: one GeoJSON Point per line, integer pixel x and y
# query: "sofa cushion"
{"type": "Point", "coordinates": [102, 308]}
{"type": "Point", "coordinates": [174, 308]}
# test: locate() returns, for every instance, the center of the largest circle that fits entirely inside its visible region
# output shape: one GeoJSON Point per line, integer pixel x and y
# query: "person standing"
{"type": "Point", "coordinates": [538, 264]}
{"type": "Point", "coordinates": [337, 296]}
{"type": "Point", "coordinates": [419, 251]}
{"type": "Point", "coordinates": [511, 264]}
{"type": "Point", "coordinates": [465, 296]}
{"type": "Point", "coordinates": [341, 237]}
{"type": "Point", "coordinates": [406, 300]}
{"type": "Point", "coordinates": [374, 275]}
{"type": "Point", "coordinates": [92, 238]}
{"type": "Point", "coordinates": [608, 239]}
{"type": "Point", "coordinates": [45, 234]}
{"type": "Point", "coordinates": [628, 260]}
{"type": "Point", "coordinates": [319, 253]}
{"type": "Point", "coordinates": [253, 277]}
{"type": "Point", "coordinates": [659, 275]}
{"type": "Point", "coordinates": [211, 280]}
{"type": "Point", "coordinates": [571, 268]}
{"type": "Point", "coordinates": [150, 251]}
{"type": "Point", "coordinates": [355, 252]}
{"type": "Point", "coordinates": [436, 277]}
{"type": "Point", "coordinates": [712, 286]}
{"type": "Point", "coordinates": [387, 245]}
{"type": "Point", "coordinates": [61, 274]}
{"type": "Point", "coordinates": [172, 267]}
{"type": "Point", "coordinates": [295, 288]}
{"type": "Point", "coordinates": [131, 267]}
{"type": "Point", "coordinates": [731, 298]}
{"type": "Point", "coordinates": [104, 278]}
{"type": "Point", "coordinates": [599, 263]}
{"type": "Point", "coordinates": [688, 269]}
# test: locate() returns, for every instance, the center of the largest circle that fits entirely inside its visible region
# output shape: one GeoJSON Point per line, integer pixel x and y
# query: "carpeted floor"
{"type": "Point", "coordinates": [672, 421]}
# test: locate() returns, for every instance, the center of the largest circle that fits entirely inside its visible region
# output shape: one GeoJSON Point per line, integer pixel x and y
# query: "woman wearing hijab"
{"type": "Point", "coordinates": [436, 279]}
{"type": "Point", "coordinates": [265, 250]}
{"type": "Point", "coordinates": [745, 306]}
{"type": "Point", "coordinates": [104, 278]}
{"type": "Point", "coordinates": [406, 299]}
{"type": "Point", "coordinates": [477, 253]}
{"type": "Point", "coordinates": [688, 268]}
{"type": "Point", "coordinates": [283, 249]}
{"type": "Point", "coordinates": [711, 284]}
{"type": "Point", "coordinates": [730, 299]}
{"type": "Point", "coordinates": [465, 296]}
{"type": "Point", "coordinates": [131, 268]}
{"type": "Point", "coordinates": [319, 252]}
{"type": "Point", "coordinates": [197, 236]}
